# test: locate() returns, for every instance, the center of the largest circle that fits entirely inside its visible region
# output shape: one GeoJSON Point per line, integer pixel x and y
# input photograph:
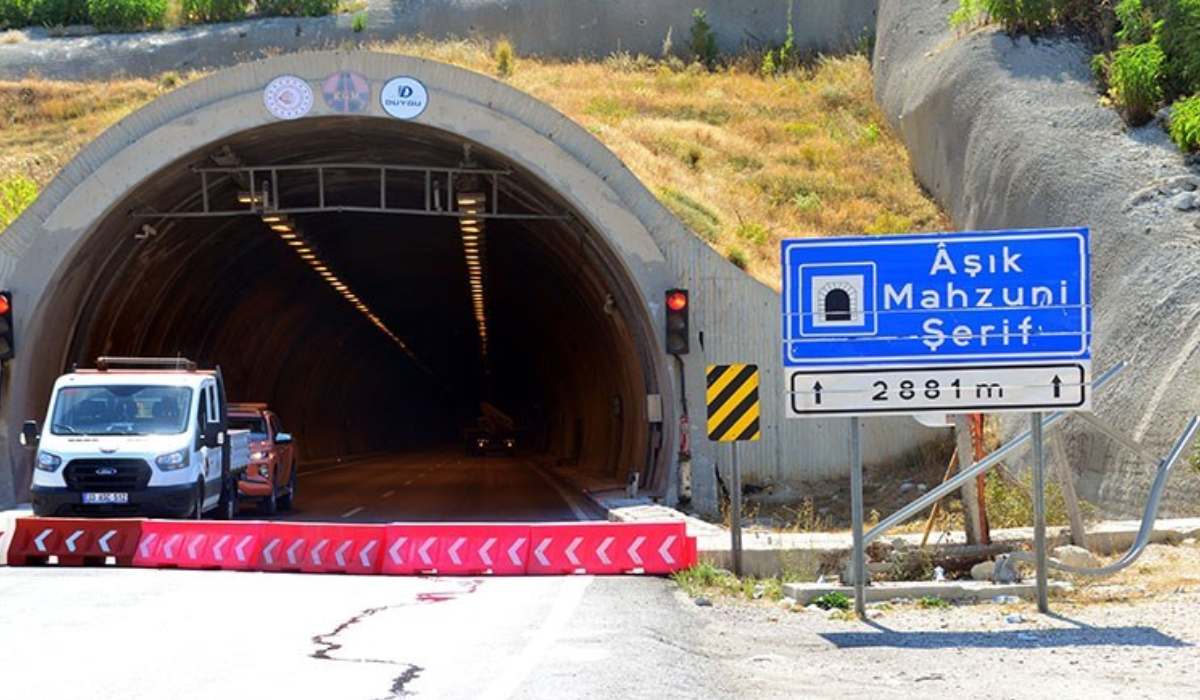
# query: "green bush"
{"type": "Point", "coordinates": [359, 24]}
{"type": "Point", "coordinates": [16, 193]}
{"type": "Point", "coordinates": [212, 10]}
{"type": "Point", "coordinates": [60, 13]}
{"type": "Point", "coordinates": [703, 42]}
{"type": "Point", "coordinates": [127, 15]}
{"type": "Point", "coordinates": [16, 13]}
{"type": "Point", "coordinates": [1181, 44]}
{"type": "Point", "coordinates": [296, 8]}
{"type": "Point", "coordinates": [1185, 123]}
{"type": "Point", "coordinates": [1135, 80]}
{"type": "Point", "coordinates": [506, 58]}
{"type": "Point", "coordinates": [1030, 16]}
{"type": "Point", "coordinates": [832, 601]}
{"type": "Point", "coordinates": [1136, 20]}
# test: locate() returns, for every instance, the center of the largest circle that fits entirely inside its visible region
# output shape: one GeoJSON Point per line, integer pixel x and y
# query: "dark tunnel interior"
{"type": "Point", "coordinates": [564, 359]}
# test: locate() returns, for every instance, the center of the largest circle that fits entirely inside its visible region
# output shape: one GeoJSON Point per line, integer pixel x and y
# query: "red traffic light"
{"type": "Point", "coordinates": [677, 301]}
{"type": "Point", "coordinates": [5, 304]}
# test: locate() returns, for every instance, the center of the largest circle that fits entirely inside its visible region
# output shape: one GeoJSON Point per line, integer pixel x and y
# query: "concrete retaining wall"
{"type": "Point", "coordinates": [1007, 133]}
{"type": "Point", "coordinates": [563, 28]}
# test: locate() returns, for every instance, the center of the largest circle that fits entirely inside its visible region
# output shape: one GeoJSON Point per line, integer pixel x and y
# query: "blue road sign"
{"type": "Point", "coordinates": [982, 298]}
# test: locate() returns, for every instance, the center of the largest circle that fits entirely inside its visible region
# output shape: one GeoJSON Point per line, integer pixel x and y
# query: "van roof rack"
{"type": "Point", "coordinates": [103, 364]}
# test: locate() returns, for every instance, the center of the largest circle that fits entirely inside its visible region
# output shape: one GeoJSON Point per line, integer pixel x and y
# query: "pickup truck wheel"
{"type": "Point", "coordinates": [288, 500]}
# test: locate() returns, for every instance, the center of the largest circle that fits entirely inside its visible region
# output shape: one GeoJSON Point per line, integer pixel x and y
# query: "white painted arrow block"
{"type": "Point", "coordinates": [602, 550]}
{"type": "Point", "coordinates": [633, 549]}
{"type": "Point", "coordinates": [240, 550]}
{"type": "Point", "coordinates": [316, 552]}
{"type": "Point", "coordinates": [394, 552]}
{"type": "Point", "coordinates": [147, 542]}
{"type": "Point", "coordinates": [453, 551]}
{"type": "Point", "coordinates": [570, 551]}
{"type": "Point", "coordinates": [191, 547]}
{"type": "Point", "coordinates": [73, 539]}
{"type": "Point", "coordinates": [663, 550]}
{"type": "Point", "coordinates": [40, 540]}
{"type": "Point", "coordinates": [291, 551]}
{"type": "Point", "coordinates": [216, 550]}
{"type": "Point", "coordinates": [104, 540]}
{"type": "Point", "coordinates": [483, 551]}
{"type": "Point", "coordinates": [423, 552]}
{"type": "Point", "coordinates": [170, 544]}
{"type": "Point", "coordinates": [365, 555]}
{"type": "Point", "coordinates": [512, 551]}
{"type": "Point", "coordinates": [540, 552]}
{"type": "Point", "coordinates": [340, 554]}
{"type": "Point", "coordinates": [268, 551]}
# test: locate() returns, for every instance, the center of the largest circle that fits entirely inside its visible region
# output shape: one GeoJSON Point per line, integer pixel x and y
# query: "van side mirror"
{"type": "Point", "coordinates": [283, 438]}
{"type": "Point", "coordinates": [30, 434]}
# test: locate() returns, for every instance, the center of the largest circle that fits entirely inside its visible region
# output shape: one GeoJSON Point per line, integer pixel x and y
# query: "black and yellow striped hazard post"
{"type": "Point", "coordinates": [734, 416]}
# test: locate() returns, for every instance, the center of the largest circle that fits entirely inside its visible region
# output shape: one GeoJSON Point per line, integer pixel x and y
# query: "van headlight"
{"type": "Point", "coordinates": [173, 460]}
{"type": "Point", "coordinates": [259, 456]}
{"type": "Point", "coordinates": [48, 462]}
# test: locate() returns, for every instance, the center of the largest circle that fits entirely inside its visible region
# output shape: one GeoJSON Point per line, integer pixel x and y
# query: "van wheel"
{"type": "Point", "coordinates": [288, 500]}
{"type": "Point", "coordinates": [198, 502]}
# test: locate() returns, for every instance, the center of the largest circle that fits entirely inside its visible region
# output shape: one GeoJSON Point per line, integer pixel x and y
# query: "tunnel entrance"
{"type": "Point", "coordinates": [379, 282]}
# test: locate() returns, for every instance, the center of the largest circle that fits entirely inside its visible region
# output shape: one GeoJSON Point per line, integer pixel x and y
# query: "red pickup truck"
{"type": "Point", "coordinates": [271, 476]}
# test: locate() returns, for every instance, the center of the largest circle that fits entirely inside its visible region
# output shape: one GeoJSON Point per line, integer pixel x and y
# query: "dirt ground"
{"type": "Point", "coordinates": [1133, 635]}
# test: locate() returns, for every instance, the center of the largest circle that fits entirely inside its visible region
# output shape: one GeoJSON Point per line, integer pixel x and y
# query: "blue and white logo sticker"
{"type": "Point", "coordinates": [404, 97]}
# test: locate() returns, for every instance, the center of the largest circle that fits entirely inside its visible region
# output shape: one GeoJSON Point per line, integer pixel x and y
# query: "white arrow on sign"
{"type": "Point", "coordinates": [394, 552]}
{"type": "Point", "coordinates": [602, 550]}
{"type": "Point", "coordinates": [453, 551]}
{"type": "Point", "coordinates": [40, 540]}
{"type": "Point", "coordinates": [340, 554]}
{"type": "Point", "coordinates": [570, 551]}
{"type": "Point", "coordinates": [240, 550]}
{"type": "Point", "coordinates": [217, 556]}
{"type": "Point", "coordinates": [365, 555]}
{"type": "Point", "coordinates": [168, 546]}
{"type": "Point", "coordinates": [424, 551]}
{"type": "Point", "coordinates": [316, 552]}
{"type": "Point", "coordinates": [483, 551]}
{"type": "Point", "coordinates": [147, 541]}
{"type": "Point", "coordinates": [191, 546]}
{"type": "Point", "coordinates": [632, 551]}
{"type": "Point", "coordinates": [269, 549]}
{"type": "Point", "coordinates": [73, 539]}
{"type": "Point", "coordinates": [291, 551]}
{"type": "Point", "coordinates": [666, 545]}
{"type": "Point", "coordinates": [540, 552]}
{"type": "Point", "coordinates": [103, 541]}
{"type": "Point", "coordinates": [512, 551]}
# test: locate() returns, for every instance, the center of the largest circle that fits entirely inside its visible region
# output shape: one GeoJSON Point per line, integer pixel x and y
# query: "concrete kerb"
{"type": "Point", "coordinates": [964, 591]}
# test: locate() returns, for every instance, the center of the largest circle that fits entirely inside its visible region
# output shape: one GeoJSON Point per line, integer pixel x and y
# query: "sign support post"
{"type": "Point", "coordinates": [735, 510]}
{"type": "Point", "coordinates": [858, 566]}
{"type": "Point", "coordinates": [1039, 511]}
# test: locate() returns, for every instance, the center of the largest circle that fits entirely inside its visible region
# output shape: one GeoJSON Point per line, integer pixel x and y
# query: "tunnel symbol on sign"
{"type": "Point", "coordinates": [837, 299]}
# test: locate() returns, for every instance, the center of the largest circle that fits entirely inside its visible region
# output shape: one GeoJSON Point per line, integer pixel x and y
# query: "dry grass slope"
{"type": "Point", "coordinates": [744, 160]}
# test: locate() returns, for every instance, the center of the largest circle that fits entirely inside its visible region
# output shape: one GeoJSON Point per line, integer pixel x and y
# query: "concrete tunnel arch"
{"type": "Point", "coordinates": [85, 285]}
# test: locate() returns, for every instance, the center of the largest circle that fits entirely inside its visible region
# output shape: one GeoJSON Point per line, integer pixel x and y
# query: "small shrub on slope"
{"type": "Point", "coordinates": [1135, 80]}
{"type": "Point", "coordinates": [127, 15]}
{"type": "Point", "coordinates": [1185, 123]}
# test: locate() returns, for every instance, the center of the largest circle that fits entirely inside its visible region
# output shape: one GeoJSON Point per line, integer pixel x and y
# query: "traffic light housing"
{"type": "Point", "coordinates": [677, 321]}
{"type": "Point", "coordinates": [6, 326]}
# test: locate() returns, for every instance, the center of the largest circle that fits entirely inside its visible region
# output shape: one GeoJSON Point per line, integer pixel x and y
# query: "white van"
{"type": "Point", "coordinates": [137, 436]}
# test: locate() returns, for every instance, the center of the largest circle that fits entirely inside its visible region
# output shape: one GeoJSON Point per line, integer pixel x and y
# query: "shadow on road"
{"type": "Point", "coordinates": [1081, 635]}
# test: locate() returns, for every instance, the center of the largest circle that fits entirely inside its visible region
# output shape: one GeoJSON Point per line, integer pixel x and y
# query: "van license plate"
{"type": "Point", "coordinates": [105, 498]}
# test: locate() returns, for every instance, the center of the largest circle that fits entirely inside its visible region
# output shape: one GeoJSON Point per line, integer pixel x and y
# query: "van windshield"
{"type": "Point", "coordinates": [121, 410]}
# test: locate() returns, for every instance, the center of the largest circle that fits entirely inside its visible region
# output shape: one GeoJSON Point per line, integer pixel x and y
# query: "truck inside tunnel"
{"type": "Point", "coordinates": [374, 281]}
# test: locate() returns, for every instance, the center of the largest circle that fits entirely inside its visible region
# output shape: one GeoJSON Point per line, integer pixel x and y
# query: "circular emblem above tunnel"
{"type": "Point", "coordinates": [288, 97]}
{"type": "Point", "coordinates": [346, 92]}
{"type": "Point", "coordinates": [404, 97]}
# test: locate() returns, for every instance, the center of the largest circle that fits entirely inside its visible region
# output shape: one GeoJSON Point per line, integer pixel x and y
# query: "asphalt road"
{"type": "Point", "coordinates": [432, 485]}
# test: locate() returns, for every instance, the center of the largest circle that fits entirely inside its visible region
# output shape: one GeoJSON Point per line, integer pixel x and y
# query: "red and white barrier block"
{"type": "Point", "coordinates": [610, 548]}
{"type": "Point", "coordinates": [196, 544]}
{"type": "Point", "coordinates": [73, 541]}
{"type": "Point", "coordinates": [468, 549]}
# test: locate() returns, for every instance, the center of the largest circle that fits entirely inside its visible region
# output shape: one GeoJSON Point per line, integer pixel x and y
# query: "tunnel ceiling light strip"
{"type": "Point", "coordinates": [286, 229]}
{"type": "Point", "coordinates": [471, 227]}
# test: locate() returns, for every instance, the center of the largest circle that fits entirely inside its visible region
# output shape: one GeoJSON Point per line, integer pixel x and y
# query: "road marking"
{"type": "Point", "coordinates": [389, 494]}
{"type": "Point", "coordinates": [570, 595]}
{"type": "Point", "coordinates": [353, 512]}
{"type": "Point", "coordinates": [571, 499]}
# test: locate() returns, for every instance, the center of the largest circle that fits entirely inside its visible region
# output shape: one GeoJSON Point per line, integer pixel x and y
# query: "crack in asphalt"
{"type": "Point", "coordinates": [411, 671]}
